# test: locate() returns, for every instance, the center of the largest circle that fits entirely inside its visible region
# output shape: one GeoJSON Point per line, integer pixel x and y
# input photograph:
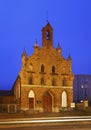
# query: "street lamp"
{"type": "Point", "coordinates": [82, 96]}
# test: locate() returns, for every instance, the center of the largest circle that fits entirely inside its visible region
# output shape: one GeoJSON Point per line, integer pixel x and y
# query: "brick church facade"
{"type": "Point", "coordinates": [45, 81]}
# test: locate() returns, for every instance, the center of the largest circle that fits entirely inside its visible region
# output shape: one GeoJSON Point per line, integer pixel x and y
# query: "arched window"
{"type": "Point", "coordinates": [47, 35]}
{"type": "Point", "coordinates": [30, 80]}
{"type": "Point", "coordinates": [53, 69]}
{"type": "Point", "coordinates": [42, 68]}
{"type": "Point", "coordinates": [31, 94]}
{"type": "Point", "coordinates": [42, 81]}
{"type": "Point", "coordinates": [64, 99]}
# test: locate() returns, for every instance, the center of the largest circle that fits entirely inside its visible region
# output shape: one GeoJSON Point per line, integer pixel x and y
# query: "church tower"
{"type": "Point", "coordinates": [47, 35]}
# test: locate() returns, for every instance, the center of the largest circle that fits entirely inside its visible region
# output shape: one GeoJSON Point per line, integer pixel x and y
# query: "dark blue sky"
{"type": "Point", "coordinates": [21, 22]}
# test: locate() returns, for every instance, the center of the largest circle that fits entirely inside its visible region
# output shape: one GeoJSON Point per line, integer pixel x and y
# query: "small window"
{"type": "Point", "coordinates": [42, 81]}
{"type": "Point", "coordinates": [42, 69]}
{"type": "Point", "coordinates": [30, 81]}
{"type": "Point", "coordinates": [30, 67]}
{"type": "Point", "coordinates": [53, 82]}
{"type": "Point", "coordinates": [53, 69]}
{"type": "Point", "coordinates": [47, 35]}
{"type": "Point", "coordinates": [64, 81]}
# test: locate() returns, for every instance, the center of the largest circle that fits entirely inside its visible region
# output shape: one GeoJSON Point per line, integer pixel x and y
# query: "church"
{"type": "Point", "coordinates": [45, 81]}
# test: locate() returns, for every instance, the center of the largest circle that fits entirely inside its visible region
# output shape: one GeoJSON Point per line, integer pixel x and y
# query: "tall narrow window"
{"type": "Point", "coordinates": [30, 81]}
{"type": "Point", "coordinates": [53, 69]}
{"type": "Point", "coordinates": [42, 69]}
{"type": "Point", "coordinates": [42, 81]}
{"type": "Point", "coordinates": [30, 67]}
{"type": "Point", "coordinates": [53, 82]}
{"type": "Point", "coordinates": [64, 99]}
{"type": "Point", "coordinates": [64, 81]}
{"type": "Point", "coordinates": [47, 35]}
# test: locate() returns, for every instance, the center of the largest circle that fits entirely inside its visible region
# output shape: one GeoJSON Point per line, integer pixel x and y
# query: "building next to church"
{"type": "Point", "coordinates": [45, 81]}
{"type": "Point", "coordinates": [82, 88]}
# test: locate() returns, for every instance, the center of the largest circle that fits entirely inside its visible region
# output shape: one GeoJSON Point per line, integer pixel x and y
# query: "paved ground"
{"type": "Point", "coordinates": [34, 115]}
{"type": "Point", "coordinates": [57, 126]}
{"type": "Point", "coordinates": [71, 126]}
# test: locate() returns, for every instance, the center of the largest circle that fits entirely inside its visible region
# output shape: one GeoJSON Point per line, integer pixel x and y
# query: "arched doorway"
{"type": "Point", "coordinates": [64, 99]}
{"type": "Point", "coordinates": [31, 99]}
{"type": "Point", "coordinates": [47, 102]}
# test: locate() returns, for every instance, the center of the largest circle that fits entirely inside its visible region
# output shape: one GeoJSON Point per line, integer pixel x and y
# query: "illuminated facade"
{"type": "Point", "coordinates": [45, 82]}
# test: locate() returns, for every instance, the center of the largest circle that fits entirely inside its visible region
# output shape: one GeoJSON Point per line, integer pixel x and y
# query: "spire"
{"type": "Point", "coordinates": [24, 53]}
{"type": "Point", "coordinates": [24, 58]}
{"type": "Point", "coordinates": [36, 44]}
{"type": "Point", "coordinates": [47, 16]}
{"type": "Point", "coordinates": [69, 57]}
{"type": "Point", "coordinates": [59, 49]}
{"type": "Point", "coordinates": [59, 46]}
{"type": "Point", "coordinates": [36, 47]}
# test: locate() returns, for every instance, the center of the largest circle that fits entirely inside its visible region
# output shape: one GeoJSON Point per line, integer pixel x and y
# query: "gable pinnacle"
{"type": "Point", "coordinates": [69, 57]}
{"type": "Point", "coordinates": [24, 53]}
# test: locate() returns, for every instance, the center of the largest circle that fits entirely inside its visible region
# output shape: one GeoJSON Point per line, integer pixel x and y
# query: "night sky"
{"type": "Point", "coordinates": [21, 22]}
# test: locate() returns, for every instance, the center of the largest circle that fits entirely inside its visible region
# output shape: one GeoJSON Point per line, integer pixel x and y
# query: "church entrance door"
{"type": "Point", "coordinates": [31, 96]}
{"type": "Point", "coordinates": [47, 102]}
{"type": "Point", "coordinates": [31, 103]}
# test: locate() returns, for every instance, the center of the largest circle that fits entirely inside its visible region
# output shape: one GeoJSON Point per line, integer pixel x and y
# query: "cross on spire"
{"type": "Point", "coordinates": [47, 16]}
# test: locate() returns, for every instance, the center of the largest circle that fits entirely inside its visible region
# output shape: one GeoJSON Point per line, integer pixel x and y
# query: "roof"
{"type": "Point", "coordinates": [6, 93]}
{"type": "Point", "coordinates": [47, 25]}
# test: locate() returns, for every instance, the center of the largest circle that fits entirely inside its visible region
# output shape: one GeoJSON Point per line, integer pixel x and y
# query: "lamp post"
{"type": "Point", "coordinates": [82, 96]}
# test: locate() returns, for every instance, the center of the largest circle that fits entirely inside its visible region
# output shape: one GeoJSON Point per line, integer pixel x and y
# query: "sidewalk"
{"type": "Point", "coordinates": [41, 115]}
